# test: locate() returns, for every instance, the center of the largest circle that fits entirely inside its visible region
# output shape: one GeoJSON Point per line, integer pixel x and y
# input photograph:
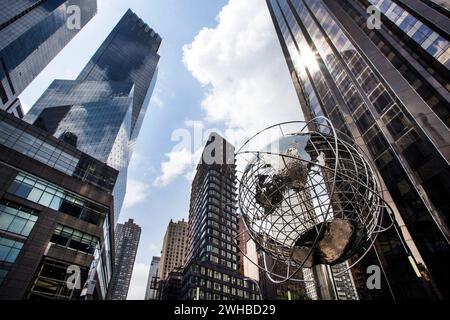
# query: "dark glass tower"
{"type": "Point", "coordinates": [150, 292]}
{"type": "Point", "coordinates": [211, 270]}
{"type": "Point", "coordinates": [32, 33]}
{"type": "Point", "coordinates": [388, 89]}
{"type": "Point", "coordinates": [126, 242]}
{"type": "Point", "coordinates": [101, 112]}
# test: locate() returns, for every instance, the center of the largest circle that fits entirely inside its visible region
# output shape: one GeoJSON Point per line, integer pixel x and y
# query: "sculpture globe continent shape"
{"type": "Point", "coordinates": [310, 198]}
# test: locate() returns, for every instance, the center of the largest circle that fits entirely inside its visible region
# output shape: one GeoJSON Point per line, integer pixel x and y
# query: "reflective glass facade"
{"type": "Point", "coordinates": [433, 42]}
{"type": "Point", "coordinates": [70, 238]}
{"type": "Point", "coordinates": [98, 112]}
{"type": "Point", "coordinates": [102, 111]}
{"type": "Point", "coordinates": [9, 250]}
{"type": "Point", "coordinates": [150, 292]}
{"type": "Point", "coordinates": [388, 89]}
{"type": "Point", "coordinates": [43, 147]}
{"type": "Point", "coordinates": [51, 196]}
{"type": "Point", "coordinates": [129, 54]}
{"type": "Point", "coordinates": [32, 33]}
{"type": "Point", "coordinates": [17, 219]}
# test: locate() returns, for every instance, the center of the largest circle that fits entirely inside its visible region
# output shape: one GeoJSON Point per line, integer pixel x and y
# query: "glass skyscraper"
{"type": "Point", "coordinates": [101, 112]}
{"type": "Point", "coordinates": [211, 269]}
{"type": "Point", "coordinates": [150, 292]}
{"type": "Point", "coordinates": [32, 33]}
{"type": "Point", "coordinates": [387, 87]}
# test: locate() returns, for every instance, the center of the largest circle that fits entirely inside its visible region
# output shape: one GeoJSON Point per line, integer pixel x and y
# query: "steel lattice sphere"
{"type": "Point", "coordinates": [309, 198]}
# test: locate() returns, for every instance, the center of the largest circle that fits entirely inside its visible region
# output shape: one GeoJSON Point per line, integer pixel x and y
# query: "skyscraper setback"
{"type": "Point", "coordinates": [127, 241]}
{"type": "Point", "coordinates": [32, 33]}
{"type": "Point", "coordinates": [387, 88]}
{"type": "Point", "coordinates": [101, 112]}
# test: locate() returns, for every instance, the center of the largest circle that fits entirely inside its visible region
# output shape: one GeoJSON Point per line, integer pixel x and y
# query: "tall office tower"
{"type": "Point", "coordinates": [126, 238]}
{"type": "Point", "coordinates": [101, 112]}
{"type": "Point", "coordinates": [32, 33]}
{"type": "Point", "coordinates": [211, 269]}
{"type": "Point", "coordinates": [150, 292]}
{"type": "Point", "coordinates": [173, 250]}
{"type": "Point", "coordinates": [385, 84]}
{"type": "Point", "coordinates": [56, 208]}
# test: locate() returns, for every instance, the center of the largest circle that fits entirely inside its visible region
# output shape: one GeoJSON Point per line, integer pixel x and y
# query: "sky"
{"type": "Point", "coordinates": [221, 69]}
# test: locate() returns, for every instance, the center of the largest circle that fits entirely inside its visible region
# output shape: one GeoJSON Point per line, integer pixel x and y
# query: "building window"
{"type": "Point", "coordinates": [16, 219]}
{"type": "Point", "coordinates": [9, 250]}
{"type": "Point", "coordinates": [50, 196]}
{"type": "Point", "coordinates": [382, 102]}
{"type": "Point", "coordinates": [17, 139]}
{"type": "Point", "coordinates": [365, 121]}
{"type": "Point", "coordinates": [217, 286]}
{"type": "Point", "coordinates": [226, 289]}
{"type": "Point", "coordinates": [50, 282]}
{"type": "Point", "coordinates": [3, 274]}
{"type": "Point", "coordinates": [74, 239]}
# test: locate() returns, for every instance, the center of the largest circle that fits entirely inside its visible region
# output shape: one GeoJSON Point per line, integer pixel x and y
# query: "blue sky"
{"type": "Point", "coordinates": [221, 68]}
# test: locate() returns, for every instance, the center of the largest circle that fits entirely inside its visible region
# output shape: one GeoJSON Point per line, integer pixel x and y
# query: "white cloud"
{"type": "Point", "coordinates": [190, 175]}
{"type": "Point", "coordinates": [178, 163]}
{"type": "Point", "coordinates": [138, 283]}
{"type": "Point", "coordinates": [137, 192]}
{"type": "Point", "coordinates": [194, 124]}
{"type": "Point", "coordinates": [241, 64]}
{"type": "Point", "coordinates": [247, 84]}
{"type": "Point", "coordinates": [156, 99]}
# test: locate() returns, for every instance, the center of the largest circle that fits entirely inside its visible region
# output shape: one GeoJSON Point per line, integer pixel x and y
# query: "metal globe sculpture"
{"type": "Point", "coordinates": [310, 197]}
